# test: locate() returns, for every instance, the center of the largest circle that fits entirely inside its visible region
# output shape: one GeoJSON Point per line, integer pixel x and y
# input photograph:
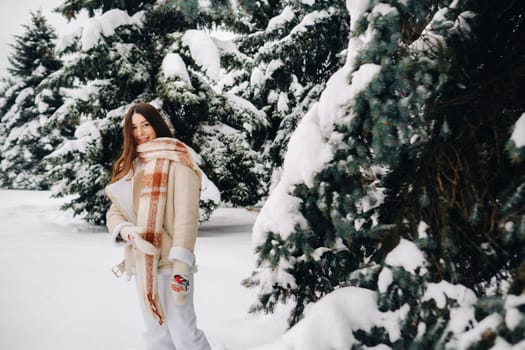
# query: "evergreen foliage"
{"type": "Point", "coordinates": [373, 135]}
{"type": "Point", "coordinates": [231, 123]}
{"type": "Point", "coordinates": [134, 63]}
{"type": "Point", "coordinates": [296, 47]}
{"type": "Point", "coordinates": [424, 145]}
{"type": "Point", "coordinates": [28, 99]}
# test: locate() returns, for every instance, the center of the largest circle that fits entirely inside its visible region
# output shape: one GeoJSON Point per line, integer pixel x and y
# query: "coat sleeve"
{"type": "Point", "coordinates": [186, 213]}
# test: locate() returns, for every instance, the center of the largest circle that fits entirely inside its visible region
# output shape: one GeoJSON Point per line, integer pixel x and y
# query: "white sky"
{"type": "Point", "coordinates": [14, 14]}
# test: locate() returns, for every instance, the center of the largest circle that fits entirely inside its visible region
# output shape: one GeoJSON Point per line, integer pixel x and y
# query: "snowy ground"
{"type": "Point", "coordinates": [57, 290]}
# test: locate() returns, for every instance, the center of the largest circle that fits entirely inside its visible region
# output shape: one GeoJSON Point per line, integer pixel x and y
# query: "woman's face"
{"type": "Point", "coordinates": [142, 129]}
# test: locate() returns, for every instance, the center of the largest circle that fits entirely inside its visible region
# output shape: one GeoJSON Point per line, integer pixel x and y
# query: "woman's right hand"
{"type": "Point", "coordinates": [130, 233]}
{"type": "Point", "coordinates": [133, 235]}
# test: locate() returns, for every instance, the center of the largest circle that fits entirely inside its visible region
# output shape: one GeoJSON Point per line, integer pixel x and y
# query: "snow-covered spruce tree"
{"type": "Point", "coordinates": [470, 198]}
{"type": "Point", "coordinates": [108, 67]}
{"type": "Point", "coordinates": [122, 59]}
{"type": "Point", "coordinates": [485, 182]}
{"type": "Point", "coordinates": [369, 119]}
{"type": "Point", "coordinates": [201, 86]}
{"type": "Point", "coordinates": [225, 129]}
{"type": "Point", "coordinates": [28, 98]}
{"type": "Point", "coordinates": [79, 166]}
{"type": "Point", "coordinates": [106, 71]}
{"type": "Point", "coordinates": [410, 181]}
{"type": "Point", "coordinates": [296, 47]}
{"type": "Point", "coordinates": [463, 204]}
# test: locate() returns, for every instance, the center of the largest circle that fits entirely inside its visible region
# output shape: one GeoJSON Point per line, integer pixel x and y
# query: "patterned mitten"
{"type": "Point", "coordinates": [180, 282]}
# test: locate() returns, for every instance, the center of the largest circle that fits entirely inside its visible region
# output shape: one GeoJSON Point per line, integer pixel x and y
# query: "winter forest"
{"type": "Point", "coordinates": [382, 143]}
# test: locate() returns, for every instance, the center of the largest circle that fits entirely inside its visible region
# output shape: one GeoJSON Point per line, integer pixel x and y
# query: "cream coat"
{"type": "Point", "coordinates": [181, 218]}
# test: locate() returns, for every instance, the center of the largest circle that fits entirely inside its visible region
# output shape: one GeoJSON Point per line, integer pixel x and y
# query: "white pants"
{"type": "Point", "coordinates": [179, 331]}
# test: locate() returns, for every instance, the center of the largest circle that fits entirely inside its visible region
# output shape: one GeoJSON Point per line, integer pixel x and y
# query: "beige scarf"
{"type": "Point", "coordinates": [159, 156]}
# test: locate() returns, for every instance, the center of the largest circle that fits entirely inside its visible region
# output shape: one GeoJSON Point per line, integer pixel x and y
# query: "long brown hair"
{"type": "Point", "coordinates": [129, 148]}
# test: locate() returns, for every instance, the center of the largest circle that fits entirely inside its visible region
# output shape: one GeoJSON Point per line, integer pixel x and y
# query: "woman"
{"type": "Point", "coordinates": [154, 193]}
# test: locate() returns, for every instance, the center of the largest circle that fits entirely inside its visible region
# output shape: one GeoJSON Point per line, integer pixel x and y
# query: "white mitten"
{"type": "Point", "coordinates": [180, 282]}
{"type": "Point", "coordinates": [133, 234]}
{"type": "Point", "coordinates": [129, 233]}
